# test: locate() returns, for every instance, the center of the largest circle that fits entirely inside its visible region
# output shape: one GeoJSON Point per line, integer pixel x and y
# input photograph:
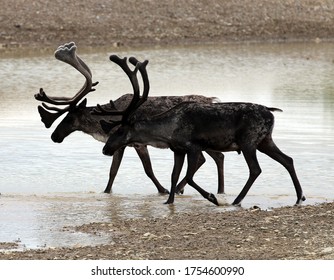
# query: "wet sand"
{"type": "Point", "coordinates": [284, 233]}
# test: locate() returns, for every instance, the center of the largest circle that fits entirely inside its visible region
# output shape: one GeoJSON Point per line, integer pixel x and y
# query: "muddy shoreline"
{"type": "Point", "coordinates": [284, 233]}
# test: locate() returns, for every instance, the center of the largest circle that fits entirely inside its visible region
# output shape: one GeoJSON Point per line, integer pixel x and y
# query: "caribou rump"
{"type": "Point", "coordinates": [80, 118]}
{"type": "Point", "coordinates": [190, 128]}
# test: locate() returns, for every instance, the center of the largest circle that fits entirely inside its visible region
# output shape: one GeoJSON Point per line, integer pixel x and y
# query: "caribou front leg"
{"type": "Point", "coordinates": [254, 171]}
{"type": "Point", "coordinates": [178, 163]}
{"type": "Point", "coordinates": [192, 167]}
{"type": "Point", "coordinates": [145, 159]}
{"type": "Point", "coordinates": [116, 162]}
{"type": "Point", "coordinates": [180, 186]}
{"type": "Point", "coordinates": [219, 160]}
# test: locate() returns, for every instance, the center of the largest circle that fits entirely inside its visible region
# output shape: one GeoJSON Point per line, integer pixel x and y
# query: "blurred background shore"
{"type": "Point", "coordinates": [130, 23]}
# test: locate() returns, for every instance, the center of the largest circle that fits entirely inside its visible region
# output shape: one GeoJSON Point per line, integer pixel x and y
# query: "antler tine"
{"type": "Point", "coordinates": [134, 81]}
{"type": "Point", "coordinates": [47, 117]}
{"type": "Point", "coordinates": [67, 54]}
{"type": "Point", "coordinates": [146, 84]}
{"type": "Point", "coordinates": [132, 75]}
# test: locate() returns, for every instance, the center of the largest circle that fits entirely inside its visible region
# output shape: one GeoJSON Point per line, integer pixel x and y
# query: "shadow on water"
{"type": "Point", "coordinates": [46, 187]}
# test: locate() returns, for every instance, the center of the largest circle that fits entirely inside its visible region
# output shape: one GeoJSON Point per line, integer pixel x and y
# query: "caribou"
{"type": "Point", "coordinates": [79, 117]}
{"type": "Point", "coordinates": [190, 128]}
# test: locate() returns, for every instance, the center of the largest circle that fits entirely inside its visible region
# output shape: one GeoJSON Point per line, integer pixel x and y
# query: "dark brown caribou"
{"type": "Point", "coordinates": [190, 128]}
{"type": "Point", "coordinates": [79, 118]}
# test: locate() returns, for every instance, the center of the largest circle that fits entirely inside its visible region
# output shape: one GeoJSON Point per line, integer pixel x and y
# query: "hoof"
{"type": "Point", "coordinates": [164, 191]}
{"type": "Point", "coordinates": [169, 201]}
{"type": "Point", "coordinates": [179, 191]}
{"type": "Point", "coordinates": [217, 201]}
{"type": "Point", "coordinates": [299, 201]}
{"type": "Point", "coordinates": [236, 203]}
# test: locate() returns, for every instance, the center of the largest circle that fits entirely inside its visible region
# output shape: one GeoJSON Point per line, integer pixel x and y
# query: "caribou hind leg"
{"type": "Point", "coordinates": [268, 147]}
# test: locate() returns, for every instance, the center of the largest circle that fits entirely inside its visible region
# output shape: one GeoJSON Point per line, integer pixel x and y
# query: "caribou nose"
{"type": "Point", "coordinates": [56, 139]}
{"type": "Point", "coordinates": [106, 151]}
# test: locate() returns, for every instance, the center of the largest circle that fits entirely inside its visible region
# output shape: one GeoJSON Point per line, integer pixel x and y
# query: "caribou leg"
{"type": "Point", "coordinates": [268, 147]}
{"type": "Point", "coordinates": [254, 172]}
{"type": "Point", "coordinates": [219, 160]}
{"type": "Point", "coordinates": [218, 157]}
{"type": "Point", "coordinates": [192, 167]}
{"type": "Point", "coordinates": [182, 184]}
{"type": "Point", "coordinates": [145, 159]}
{"type": "Point", "coordinates": [116, 162]}
{"type": "Point", "coordinates": [178, 163]}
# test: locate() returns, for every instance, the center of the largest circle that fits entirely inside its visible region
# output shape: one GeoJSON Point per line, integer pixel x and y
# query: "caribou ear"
{"type": "Point", "coordinates": [83, 104]}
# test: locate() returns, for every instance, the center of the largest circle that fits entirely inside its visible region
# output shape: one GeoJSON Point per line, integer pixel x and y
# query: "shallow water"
{"type": "Point", "coordinates": [46, 186]}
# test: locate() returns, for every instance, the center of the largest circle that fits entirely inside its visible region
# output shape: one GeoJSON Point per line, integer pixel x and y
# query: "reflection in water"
{"type": "Point", "coordinates": [49, 220]}
{"type": "Point", "coordinates": [46, 186]}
